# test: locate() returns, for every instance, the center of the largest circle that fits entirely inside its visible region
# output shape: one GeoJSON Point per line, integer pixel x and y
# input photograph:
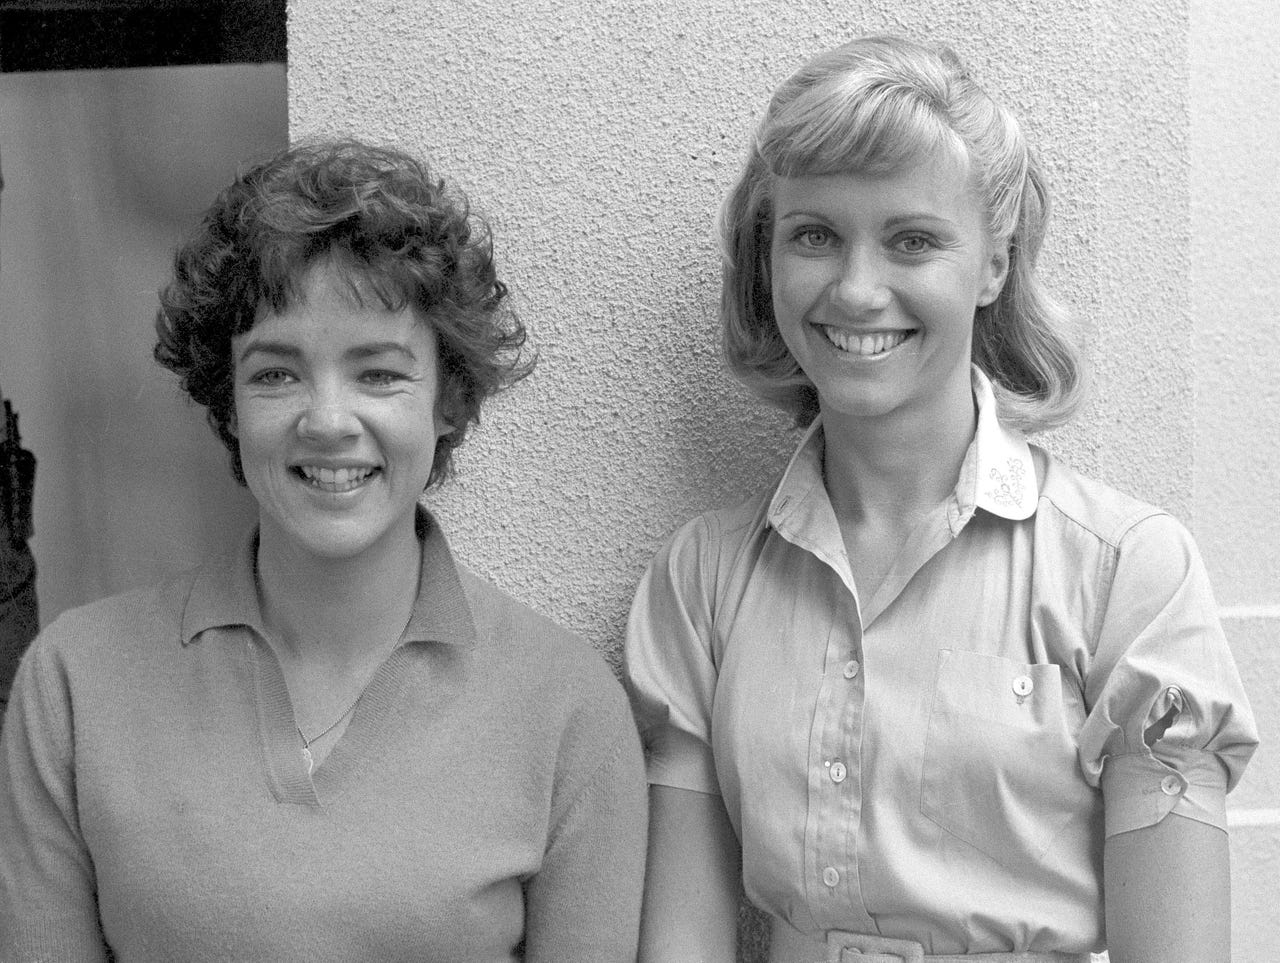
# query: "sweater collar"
{"type": "Point", "coordinates": [225, 592]}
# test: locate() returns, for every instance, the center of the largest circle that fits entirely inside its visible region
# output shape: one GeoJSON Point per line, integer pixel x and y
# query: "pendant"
{"type": "Point", "coordinates": [306, 754]}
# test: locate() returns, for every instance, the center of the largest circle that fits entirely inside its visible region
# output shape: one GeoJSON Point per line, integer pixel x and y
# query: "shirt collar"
{"type": "Point", "coordinates": [225, 592]}
{"type": "Point", "coordinates": [997, 474]}
{"type": "Point", "coordinates": [1004, 476]}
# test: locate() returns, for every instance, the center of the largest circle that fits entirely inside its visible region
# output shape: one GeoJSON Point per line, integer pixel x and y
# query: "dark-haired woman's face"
{"type": "Point", "coordinates": [336, 419]}
{"type": "Point", "coordinates": [875, 282]}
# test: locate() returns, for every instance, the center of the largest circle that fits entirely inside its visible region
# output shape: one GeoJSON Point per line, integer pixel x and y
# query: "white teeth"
{"type": "Point", "coordinates": [864, 344]}
{"type": "Point", "coordinates": [335, 479]}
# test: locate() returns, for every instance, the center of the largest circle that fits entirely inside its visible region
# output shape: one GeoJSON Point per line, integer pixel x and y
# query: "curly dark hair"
{"type": "Point", "coordinates": [381, 218]}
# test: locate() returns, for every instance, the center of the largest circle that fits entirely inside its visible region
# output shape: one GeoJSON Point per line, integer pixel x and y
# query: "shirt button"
{"type": "Point", "coordinates": [1023, 685]}
{"type": "Point", "coordinates": [831, 876]}
{"type": "Point", "coordinates": [851, 668]}
{"type": "Point", "coordinates": [1171, 785]}
{"type": "Point", "coordinates": [838, 772]}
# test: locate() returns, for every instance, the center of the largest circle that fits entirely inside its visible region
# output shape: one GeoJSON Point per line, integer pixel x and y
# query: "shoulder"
{"type": "Point", "coordinates": [108, 627]}
{"type": "Point", "coordinates": [717, 534]}
{"type": "Point", "coordinates": [99, 653]}
{"type": "Point", "coordinates": [557, 692]}
{"type": "Point", "coordinates": [1136, 538]}
{"type": "Point", "coordinates": [537, 652]}
{"type": "Point", "coordinates": [1106, 513]}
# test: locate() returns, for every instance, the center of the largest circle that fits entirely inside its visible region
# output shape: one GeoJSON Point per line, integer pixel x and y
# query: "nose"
{"type": "Point", "coordinates": [861, 287]}
{"type": "Point", "coordinates": [328, 416]}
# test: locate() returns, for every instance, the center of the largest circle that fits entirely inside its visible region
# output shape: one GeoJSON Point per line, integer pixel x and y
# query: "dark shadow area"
{"type": "Point", "coordinates": [100, 34]}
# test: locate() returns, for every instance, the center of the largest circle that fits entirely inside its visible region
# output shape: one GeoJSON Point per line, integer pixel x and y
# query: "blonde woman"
{"type": "Point", "coordinates": [932, 695]}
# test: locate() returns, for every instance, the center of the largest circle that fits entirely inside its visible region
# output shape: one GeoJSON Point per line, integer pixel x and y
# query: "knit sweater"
{"type": "Point", "coordinates": [487, 793]}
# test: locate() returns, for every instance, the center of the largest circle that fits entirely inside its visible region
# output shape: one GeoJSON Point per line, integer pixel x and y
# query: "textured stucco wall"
{"type": "Point", "coordinates": [599, 139]}
{"type": "Point", "coordinates": [1235, 205]}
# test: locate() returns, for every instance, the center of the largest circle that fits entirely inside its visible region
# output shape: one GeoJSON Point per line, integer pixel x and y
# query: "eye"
{"type": "Point", "coordinates": [271, 377]}
{"type": "Point", "coordinates": [815, 237]}
{"type": "Point", "coordinates": [381, 377]}
{"type": "Point", "coordinates": [915, 243]}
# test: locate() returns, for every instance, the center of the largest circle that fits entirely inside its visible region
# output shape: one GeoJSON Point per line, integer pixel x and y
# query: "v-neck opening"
{"type": "Point", "coordinates": [362, 736]}
{"type": "Point", "coordinates": [284, 761]}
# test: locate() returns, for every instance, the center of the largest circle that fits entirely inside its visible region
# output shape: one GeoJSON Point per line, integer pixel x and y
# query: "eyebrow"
{"type": "Point", "coordinates": [895, 221]}
{"type": "Point", "coordinates": [285, 349]}
{"type": "Point", "coordinates": [918, 217]}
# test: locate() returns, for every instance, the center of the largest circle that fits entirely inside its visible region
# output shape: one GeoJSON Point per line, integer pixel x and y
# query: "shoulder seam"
{"type": "Point", "coordinates": [589, 787]}
{"type": "Point", "coordinates": [1138, 513]}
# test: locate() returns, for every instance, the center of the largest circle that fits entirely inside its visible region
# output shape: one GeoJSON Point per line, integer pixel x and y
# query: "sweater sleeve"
{"type": "Point", "coordinates": [584, 902]}
{"type": "Point", "coordinates": [48, 904]}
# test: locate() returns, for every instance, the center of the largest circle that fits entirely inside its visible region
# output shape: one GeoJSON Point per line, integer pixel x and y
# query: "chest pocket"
{"type": "Point", "coordinates": [1000, 769]}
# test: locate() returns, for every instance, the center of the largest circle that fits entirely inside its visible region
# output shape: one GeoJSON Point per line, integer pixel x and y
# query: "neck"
{"type": "Point", "coordinates": [896, 467]}
{"type": "Point", "coordinates": [337, 610]}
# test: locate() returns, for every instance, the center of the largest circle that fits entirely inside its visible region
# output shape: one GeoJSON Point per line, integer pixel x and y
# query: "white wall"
{"type": "Point", "coordinates": [1235, 206]}
{"type": "Point", "coordinates": [104, 171]}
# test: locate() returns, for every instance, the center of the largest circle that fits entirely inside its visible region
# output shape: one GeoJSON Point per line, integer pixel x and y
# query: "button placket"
{"type": "Point", "coordinates": [834, 781]}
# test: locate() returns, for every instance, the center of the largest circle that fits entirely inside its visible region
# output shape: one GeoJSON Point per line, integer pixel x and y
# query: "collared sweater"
{"type": "Point", "coordinates": [487, 799]}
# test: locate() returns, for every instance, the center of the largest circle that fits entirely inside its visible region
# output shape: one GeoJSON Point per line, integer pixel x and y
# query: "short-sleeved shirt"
{"type": "Point", "coordinates": [941, 761]}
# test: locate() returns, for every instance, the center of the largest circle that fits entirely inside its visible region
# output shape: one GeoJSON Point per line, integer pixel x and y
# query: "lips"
{"type": "Point", "coordinates": [865, 345]}
{"type": "Point", "coordinates": [335, 480]}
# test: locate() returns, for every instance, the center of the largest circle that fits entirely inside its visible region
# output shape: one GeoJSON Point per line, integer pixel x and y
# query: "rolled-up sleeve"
{"type": "Point", "coordinates": [670, 661]}
{"type": "Point", "coordinates": [1169, 728]}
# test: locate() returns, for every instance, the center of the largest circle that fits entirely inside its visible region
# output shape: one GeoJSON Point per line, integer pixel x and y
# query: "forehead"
{"type": "Point", "coordinates": [332, 311]}
{"type": "Point", "coordinates": [386, 282]}
{"type": "Point", "coordinates": [941, 185]}
{"type": "Point", "coordinates": [330, 283]}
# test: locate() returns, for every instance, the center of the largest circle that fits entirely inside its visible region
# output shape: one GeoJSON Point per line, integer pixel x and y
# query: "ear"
{"type": "Point", "coordinates": [997, 271]}
{"type": "Point", "coordinates": [443, 419]}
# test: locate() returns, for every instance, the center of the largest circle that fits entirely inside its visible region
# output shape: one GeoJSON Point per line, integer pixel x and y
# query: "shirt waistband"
{"type": "Point", "coordinates": [791, 946]}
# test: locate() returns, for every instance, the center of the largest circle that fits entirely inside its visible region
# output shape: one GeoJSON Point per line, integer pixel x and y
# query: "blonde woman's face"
{"type": "Point", "coordinates": [875, 282]}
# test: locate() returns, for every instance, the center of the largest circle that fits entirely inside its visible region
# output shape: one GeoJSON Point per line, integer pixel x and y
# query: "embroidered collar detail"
{"type": "Point", "coordinates": [1005, 477]}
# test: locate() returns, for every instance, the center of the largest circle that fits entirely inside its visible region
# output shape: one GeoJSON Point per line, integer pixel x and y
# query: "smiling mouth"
{"type": "Point", "coordinates": [865, 345]}
{"type": "Point", "coordinates": [335, 480]}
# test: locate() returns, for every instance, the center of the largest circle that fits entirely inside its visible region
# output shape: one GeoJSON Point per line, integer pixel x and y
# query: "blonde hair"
{"type": "Point", "coordinates": [875, 105]}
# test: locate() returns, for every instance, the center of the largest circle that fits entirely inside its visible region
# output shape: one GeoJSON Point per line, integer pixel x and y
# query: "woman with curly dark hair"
{"type": "Point", "coordinates": [334, 743]}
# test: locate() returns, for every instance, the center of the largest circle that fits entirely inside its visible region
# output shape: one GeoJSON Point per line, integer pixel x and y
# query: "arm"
{"type": "Point", "coordinates": [48, 899]}
{"type": "Point", "coordinates": [1168, 893]}
{"type": "Point", "coordinates": [583, 906]}
{"type": "Point", "coordinates": [693, 882]}
{"type": "Point", "coordinates": [1168, 735]}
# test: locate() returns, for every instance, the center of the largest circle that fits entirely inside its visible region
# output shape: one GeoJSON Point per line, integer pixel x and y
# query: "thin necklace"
{"type": "Point", "coordinates": [308, 743]}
